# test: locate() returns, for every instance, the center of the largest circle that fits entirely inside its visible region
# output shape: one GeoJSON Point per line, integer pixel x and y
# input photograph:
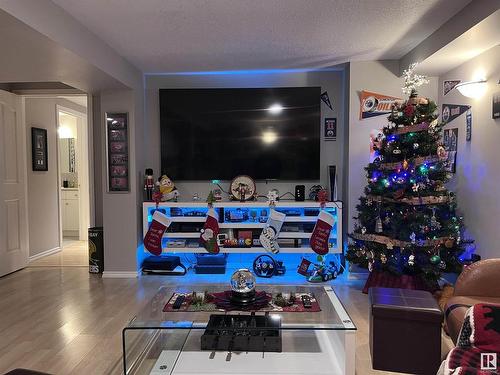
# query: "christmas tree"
{"type": "Point", "coordinates": [408, 231]}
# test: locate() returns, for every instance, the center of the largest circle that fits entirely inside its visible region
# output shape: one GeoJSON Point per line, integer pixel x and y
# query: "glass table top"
{"type": "Point", "coordinates": [332, 315]}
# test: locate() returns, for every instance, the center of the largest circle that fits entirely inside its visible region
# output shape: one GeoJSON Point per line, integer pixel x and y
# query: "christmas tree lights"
{"type": "Point", "coordinates": [407, 222]}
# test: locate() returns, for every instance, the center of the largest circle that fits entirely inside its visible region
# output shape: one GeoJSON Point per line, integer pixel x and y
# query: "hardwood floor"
{"type": "Point", "coordinates": [62, 320]}
{"type": "Point", "coordinates": [73, 254]}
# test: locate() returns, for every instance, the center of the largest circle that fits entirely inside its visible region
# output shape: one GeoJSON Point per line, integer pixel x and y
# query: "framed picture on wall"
{"type": "Point", "coordinates": [450, 142]}
{"type": "Point", "coordinates": [496, 105]}
{"type": "Point", "coordinates": [330, 129]}
{"type": "Point", "coordinates": [39, 152]}
{"type": "Point", "coordinates": [117, 152]}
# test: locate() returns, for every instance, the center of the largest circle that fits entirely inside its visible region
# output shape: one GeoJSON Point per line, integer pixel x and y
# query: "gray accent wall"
{"type": "Point", "coordinates": [332, 80]}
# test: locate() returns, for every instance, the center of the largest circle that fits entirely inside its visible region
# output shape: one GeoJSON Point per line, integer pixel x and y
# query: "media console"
{"type": "Point", "coordinates": [236, 217]}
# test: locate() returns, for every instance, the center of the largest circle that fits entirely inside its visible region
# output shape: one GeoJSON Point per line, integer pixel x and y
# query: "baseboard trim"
{"type": "Point", "coordinates": [119, 274]}
{"type": "Point", "coordinates": [44, 254]}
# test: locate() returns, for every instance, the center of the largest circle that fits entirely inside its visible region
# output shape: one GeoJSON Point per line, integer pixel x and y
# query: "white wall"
{"type": "Point", "coordinates": [331, 151]}
{"type": "Point", "coordinates": [381, 77]}
{"type": "Point", "coordinates": [478, 168]}
{"type": "Point", "coordinates": [43, 199]}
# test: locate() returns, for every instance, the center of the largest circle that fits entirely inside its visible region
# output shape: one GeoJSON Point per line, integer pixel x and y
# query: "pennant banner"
{"type": "Point", "coordinates": [450, 85]}
{"type": "Point", "coordinates": [326, 99]}
{"type": "Point", "coordinates": [450, 112]}
{"type": "Point", "coordinates": [468, 126]}
{"type": "Point", "coordinates": [373, 104]}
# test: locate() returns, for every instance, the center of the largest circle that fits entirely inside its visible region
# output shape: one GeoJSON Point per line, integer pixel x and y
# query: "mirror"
{"type": "Point", "coordinates": [67, 155]}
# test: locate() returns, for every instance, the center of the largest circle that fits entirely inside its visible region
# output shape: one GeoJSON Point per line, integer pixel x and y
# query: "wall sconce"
{"type": "Point", "coordinates": [472, 89]}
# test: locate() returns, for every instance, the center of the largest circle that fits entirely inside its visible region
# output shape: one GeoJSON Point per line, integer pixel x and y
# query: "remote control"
{"type": "Point", "coordinates": [178, 302]}
{"type": "Point", "coordinates": [306, 301]}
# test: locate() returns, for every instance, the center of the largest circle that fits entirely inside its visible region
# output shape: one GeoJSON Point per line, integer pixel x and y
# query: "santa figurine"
{"type": "Point", "coordinates": [167, 189]}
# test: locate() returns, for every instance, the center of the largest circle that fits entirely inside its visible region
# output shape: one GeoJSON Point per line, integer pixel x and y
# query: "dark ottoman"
{"type": "Point", "coordinates": [405, 331]}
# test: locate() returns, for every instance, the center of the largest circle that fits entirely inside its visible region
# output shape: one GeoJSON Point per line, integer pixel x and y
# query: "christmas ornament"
{"type": "Point", "coordinates": [433, 126]}
{"type": "Point", "coordinates": [378, 225]}
{"type": "Point", "coordinates": [442, 265]}
{"type": "Point", "coordinates": [363, 230]}
{"type": "Point", "coordinates": [435, 259]}
{"type": "Point", "coordinates": [396, 151]}
{"type": "Point", "coordinates": [442, 153]}
{"type": "Point", "coordinates": [369, 202]}
{"type": "Point", "coordinates": [413, 237]}
{"type": "Point", "coordinates": [415, 187]}
{"type": "Point", "coordinates": [411, 260]}
{"type": "Point", "coordinates": [390, 246]}
{"type": "Point", "coordinates": [383, 258]}
{"type": "Point", "coordinates": [405, 164]}
{"type": "Point", "coordinates": [387, 220]}
{"type": "Point", "coordinates": [400, 180]}
{"type": "Point", "coordinates": [415, 146]}
{"type": "Point", "coordinates": [434, 223]}
{"type": "Point", "coordinates": [370, 266]}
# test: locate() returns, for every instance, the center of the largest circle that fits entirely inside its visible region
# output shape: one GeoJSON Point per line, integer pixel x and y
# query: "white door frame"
{"type": "Point", "coordinates": [83, 168]}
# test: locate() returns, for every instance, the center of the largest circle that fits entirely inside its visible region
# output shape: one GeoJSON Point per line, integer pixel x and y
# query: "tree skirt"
{"type": "Point", "coordinates": [389, 280]}
{"type": "Point", "coordinates": [221, 301]}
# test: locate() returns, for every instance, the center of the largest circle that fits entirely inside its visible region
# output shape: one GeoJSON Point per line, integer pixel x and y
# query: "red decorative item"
{"type": "Point", "coordinates": [321, 233]}
{"type": "Point", "coordinates": [210, 231]}
{"type": "Point", "coordinates": [304, 266]}
{"type": "Point", "coordinates": [223, 301]}
{"type": "Point", "coordinates": [322, 197]}
{"type": "Point", "coordinates": [388, 280]}
{"type": "Point", "coordinates": [152, 239]}
{"type": "Point", "coordinates": [409, 110]}
{"type": "Point", "coordinates": [157, 198]}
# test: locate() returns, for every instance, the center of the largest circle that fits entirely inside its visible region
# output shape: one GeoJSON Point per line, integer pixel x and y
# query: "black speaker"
{"type": "Point", "coordinates": [332, 180]}
{"type": "Point", "coordinates": [300, 193]}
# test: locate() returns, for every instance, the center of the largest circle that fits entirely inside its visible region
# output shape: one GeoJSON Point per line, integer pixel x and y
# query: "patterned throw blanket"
{"type": "Point", "coordinates": [478, 346]}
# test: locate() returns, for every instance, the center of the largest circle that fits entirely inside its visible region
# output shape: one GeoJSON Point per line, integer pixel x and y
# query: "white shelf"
{"type": "Point", "coordinates": [239, 250]}
{"type": "Point", "coordinates": [188, 219]}
{"type": "Point", "coordinates": [264, 204]}
{"type": "Point", "coordinates": [246, 225]}
{"type": "Point", "coordinates": [242, 225]}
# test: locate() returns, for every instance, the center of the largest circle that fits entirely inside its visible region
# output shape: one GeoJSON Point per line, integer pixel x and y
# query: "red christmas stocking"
{"type": "Point", "coordinates": [210, 231]}
{"type": "Point", "coordinates": [152, 239]}
{"type": "Point", "coordinates": [321, 233]}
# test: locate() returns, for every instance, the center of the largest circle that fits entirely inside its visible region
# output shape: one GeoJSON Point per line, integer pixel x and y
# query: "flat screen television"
{"type": "Point", "coordinates": [266, 133]}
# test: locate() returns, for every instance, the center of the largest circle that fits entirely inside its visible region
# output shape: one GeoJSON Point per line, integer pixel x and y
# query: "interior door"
{"type": "Point", "coordinates": [13, 209]}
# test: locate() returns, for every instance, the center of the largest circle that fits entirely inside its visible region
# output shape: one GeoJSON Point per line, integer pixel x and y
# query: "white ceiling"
{"type": "Point", "coordinates": [213, 35]}
{"type": "Point", "coordinates": [77, 99]}
{"type": "Point", "coordinates": [475, 41]}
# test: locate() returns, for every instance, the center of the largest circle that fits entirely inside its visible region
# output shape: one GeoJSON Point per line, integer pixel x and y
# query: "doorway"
{"type": "Point", "coordinates": [73, 177]}
{"type": "Point", "coordinates": [71, 164]}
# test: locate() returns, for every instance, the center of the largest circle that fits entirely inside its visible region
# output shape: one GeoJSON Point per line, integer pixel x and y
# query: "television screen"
{"type": "Point", "coordinates": [268, 133]}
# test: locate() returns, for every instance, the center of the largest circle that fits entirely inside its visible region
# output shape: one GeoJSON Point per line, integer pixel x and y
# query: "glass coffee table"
{"type": "Point", "coordinates": [312, 342]}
